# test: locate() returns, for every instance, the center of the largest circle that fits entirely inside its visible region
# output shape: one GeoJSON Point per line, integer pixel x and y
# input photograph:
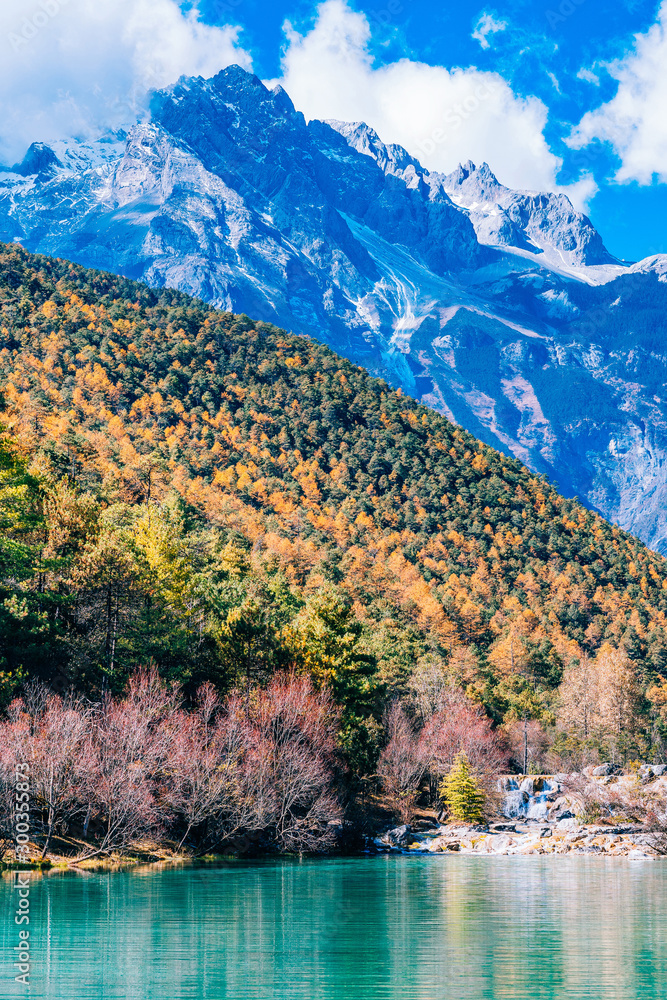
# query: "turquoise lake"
{"type": "Point", "coordinates": [386, 928]}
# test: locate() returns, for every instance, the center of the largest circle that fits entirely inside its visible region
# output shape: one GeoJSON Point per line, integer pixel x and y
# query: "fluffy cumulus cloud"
{"type": "Point", "coordinates": [634, 121]}
{"type": "Point", "coordinates": [487, 25]}
{"type": "Point", "coordinates": [442, 116]}
{"type": "Point", "coordinates": [76, 67]}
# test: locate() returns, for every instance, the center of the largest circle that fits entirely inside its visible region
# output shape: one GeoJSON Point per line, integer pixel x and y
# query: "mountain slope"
{"type": "Point", "coordinates": [128, 401]}
{"type": "Point", "coordinates": [540, 344]}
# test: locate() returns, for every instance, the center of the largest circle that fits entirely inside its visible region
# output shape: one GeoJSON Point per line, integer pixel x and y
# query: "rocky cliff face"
{"type": "Point", "coordinates": [502, 309]}
{"type": "Point", "coordinates": [533, 221]}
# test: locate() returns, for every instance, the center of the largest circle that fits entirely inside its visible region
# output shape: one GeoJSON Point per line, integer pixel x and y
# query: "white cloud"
{"type": "Point", "coordinates": [74, 67]}
{"type": "Point", "coordinates": [634, 121]}
{"type": "Point", "coordinates": [487, 25]}
{"type": "Point", "coordinates": [588, 76]}
{"type": "Point", "coordinates": [441, 116]}
{"type": "Point", "coordinates": [581, 192]}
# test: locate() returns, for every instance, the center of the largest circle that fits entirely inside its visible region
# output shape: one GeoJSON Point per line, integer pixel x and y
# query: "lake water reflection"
{"type": "Point", "coordinates": [386, 928]}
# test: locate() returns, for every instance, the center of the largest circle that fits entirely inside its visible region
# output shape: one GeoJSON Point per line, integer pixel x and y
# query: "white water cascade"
{"type": "Point", "coordinates": [528, 798]}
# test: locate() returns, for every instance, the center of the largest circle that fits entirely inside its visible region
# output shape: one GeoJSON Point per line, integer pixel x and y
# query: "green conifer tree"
{"type": "Point", "coordinates": [462, 793]}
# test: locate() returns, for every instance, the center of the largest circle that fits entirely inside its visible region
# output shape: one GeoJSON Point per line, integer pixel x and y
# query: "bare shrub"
{"type": "Point", "coordinates": [402, 763]}
{"type": "Point", "coordinates": [594, 802]}
{"type": "Point", "coordinates": [457, 726]}
{"type": "Point", "coordinates": [429, 685]}
{"type": "Point", "coordinates": [656, 827]}
{"type": "Point", "coordinates": [125, 755]}
{"type": "Point", "coordinates": [460, 725]}
{"type": "Point", "coordinates": [290, 772]}
{"type": "Point", "coordinates": [435, 681]}
{"type": "Point", "coordinates": [217, 785]}
{"type": "Point", "coordinates": [136, 766]}
{"type": "Point", "coordinates": [202, 771]}
{"type": "Point", "coordinates": [50, 734]}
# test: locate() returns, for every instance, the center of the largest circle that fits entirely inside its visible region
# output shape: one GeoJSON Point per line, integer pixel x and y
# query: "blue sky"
{"type": "Point", "coordinates": [542, 51]}
{"type": "Point", "coordinates": [553, 94]}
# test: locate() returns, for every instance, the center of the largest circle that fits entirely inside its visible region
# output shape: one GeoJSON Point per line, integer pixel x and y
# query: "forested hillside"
{"type": "Point", "coordinates": [184, 486]}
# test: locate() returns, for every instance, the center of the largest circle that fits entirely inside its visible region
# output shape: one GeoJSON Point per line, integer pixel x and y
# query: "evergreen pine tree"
{"type": "Point", "coordinates": [462, 793]}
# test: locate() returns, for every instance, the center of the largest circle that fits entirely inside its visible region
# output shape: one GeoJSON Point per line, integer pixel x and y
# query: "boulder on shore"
{"type": "Point", "coordinates": [400, 836]}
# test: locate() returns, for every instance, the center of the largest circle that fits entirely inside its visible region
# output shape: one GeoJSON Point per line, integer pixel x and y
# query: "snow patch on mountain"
{"type": "Point", "coordinates": [656, 264]}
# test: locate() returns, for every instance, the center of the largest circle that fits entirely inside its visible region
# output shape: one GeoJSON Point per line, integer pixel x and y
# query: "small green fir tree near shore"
{"type": "Point", "coordinates": [461, 792]}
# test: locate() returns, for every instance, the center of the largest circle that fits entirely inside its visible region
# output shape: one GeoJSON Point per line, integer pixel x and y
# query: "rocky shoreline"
{"type": "Point", "coordinates": [565, 837]}
{"type": "Point", "coordinates": [551, 815]}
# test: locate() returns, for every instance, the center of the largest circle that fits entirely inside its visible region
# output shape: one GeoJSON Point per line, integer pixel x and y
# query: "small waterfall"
{"type": "Point", "coordinates": [515, 799]}
{"type": "Point", "coordinates": [529, 798]}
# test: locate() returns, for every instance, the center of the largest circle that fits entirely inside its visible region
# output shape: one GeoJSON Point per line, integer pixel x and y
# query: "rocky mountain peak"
{"type": "Point", "coordinates": [469, 183]}
{"type": "Point", "coordinates": [534, 222]}
{"type": "Point", "coordinates": [282, 99]}
{"type": "Point", "coordinates": [234, 103]}
{"type": "Point", "coordinates": [390, 157]}
{"type": "Point", "coordinates": [541, 223]}
{"type": "Point", "coordinates": [40, 160]}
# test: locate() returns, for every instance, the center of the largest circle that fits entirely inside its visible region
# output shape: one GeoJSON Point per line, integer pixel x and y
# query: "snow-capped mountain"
{"type": "Point", "coordinates": [536, 222]}
{"type": "Point", "coordinates": [502, 309]}
{"type": "Point", "coordinates": [542, 225]}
